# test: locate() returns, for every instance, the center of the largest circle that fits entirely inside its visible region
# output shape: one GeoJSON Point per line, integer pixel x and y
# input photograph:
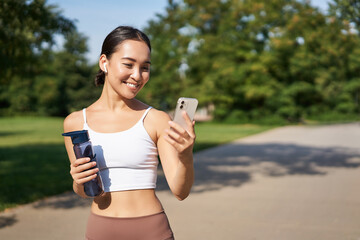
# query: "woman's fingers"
{"type": "Point", "coordinates": [80, 161]}
{"type": "Point", "coordinates": [179, 139]}
{"type": "Point", "coordinates": [85, 167]}
{"type": "Point", "coordinates": [86, 173]}
{"type": "Point", "coordinates": [79, 166]}
{"type": "Point", "coordinates": [175, 136]}
{"type": "Point", "coordinates": [190, 124]}
{"type": "Point", "coordinates": [82, 170]}
{"type": "Point", "coordinates": [85, 179]}
{"type": "Point", "coordinates": [177, 128]}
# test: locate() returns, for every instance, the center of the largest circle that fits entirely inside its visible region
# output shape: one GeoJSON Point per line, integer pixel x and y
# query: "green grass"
{"type": "Point", "coordinates": [34, 164]}
{"type": "Point", "coordinates": [331, 118]}
{"type": "Point", "coordinates": [33, 160]}
{"type": "Point", "coordinates": [213, 134]}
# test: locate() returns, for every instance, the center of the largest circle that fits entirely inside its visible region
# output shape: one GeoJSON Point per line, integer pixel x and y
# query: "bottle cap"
{"type": "Point", "coordinates": [78, 136]}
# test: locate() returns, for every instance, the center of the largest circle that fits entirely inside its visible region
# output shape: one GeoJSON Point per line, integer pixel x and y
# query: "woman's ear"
{"type": "Point", "coordinates": [103, 63]}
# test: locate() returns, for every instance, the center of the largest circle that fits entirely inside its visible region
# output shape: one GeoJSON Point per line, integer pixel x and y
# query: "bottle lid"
{"type": "Point", "coordinates": [78, 136]}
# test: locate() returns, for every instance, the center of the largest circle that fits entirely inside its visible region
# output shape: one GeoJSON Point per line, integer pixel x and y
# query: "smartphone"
{"type": "Point", "coordinates": [188, 105]}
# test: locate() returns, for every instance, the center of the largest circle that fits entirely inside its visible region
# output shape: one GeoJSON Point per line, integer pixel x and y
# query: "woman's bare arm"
{"type": "Point", "coordinates": [175, 146]}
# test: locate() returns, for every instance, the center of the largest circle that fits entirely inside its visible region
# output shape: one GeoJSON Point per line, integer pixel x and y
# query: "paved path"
{"type": "Point", "coordinates": [289, 183]}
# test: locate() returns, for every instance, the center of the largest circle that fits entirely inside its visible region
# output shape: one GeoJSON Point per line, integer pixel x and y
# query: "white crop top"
{"type": "Point", "coordinates": [127, 160]}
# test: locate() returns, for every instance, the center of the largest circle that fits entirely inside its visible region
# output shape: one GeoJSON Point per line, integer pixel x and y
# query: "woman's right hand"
{"type": "Point", "coordinates": [81, 171]}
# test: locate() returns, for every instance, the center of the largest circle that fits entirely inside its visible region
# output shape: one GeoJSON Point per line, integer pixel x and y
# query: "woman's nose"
{"type": "Point", "coordinates": [136, 74]}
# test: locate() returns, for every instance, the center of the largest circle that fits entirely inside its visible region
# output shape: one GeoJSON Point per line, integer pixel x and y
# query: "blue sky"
{"type": "Point", "coordinates": [97, 18]}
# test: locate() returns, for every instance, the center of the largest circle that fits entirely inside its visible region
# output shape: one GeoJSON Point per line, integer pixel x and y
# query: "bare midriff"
{"type": "Point", "coordinates": [133, 203]}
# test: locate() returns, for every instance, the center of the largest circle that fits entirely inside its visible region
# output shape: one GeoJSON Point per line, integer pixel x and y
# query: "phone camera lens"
{"type": "Point", "coordinates": [181, 106]}
{"type": "Point", "coordinates": [182, 102]}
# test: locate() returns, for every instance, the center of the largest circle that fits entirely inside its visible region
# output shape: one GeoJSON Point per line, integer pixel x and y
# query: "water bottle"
{"type": "Point", "coordinates": [83, 148]}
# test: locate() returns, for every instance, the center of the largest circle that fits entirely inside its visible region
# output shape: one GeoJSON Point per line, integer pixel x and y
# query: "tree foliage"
{"type": "Point", "coordinates": [255, 58]}
{"type": "Point", "coordinates": [250, 59]}
{"type": "Point", "coordinates": [346, 10]}
{"type": "Point", "coordinates": [35, 79]}
{"type": "Point", "coordinates": [27, 29]}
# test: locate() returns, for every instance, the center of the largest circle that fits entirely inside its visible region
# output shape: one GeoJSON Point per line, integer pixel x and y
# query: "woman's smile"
{"type": "Point", "coordinates": [132, 86]}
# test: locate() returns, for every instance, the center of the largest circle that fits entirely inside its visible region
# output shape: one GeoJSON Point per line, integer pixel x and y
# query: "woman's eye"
{"type": "Point", "coordinates": [128, 65]}
{"type": "Point", "coordinates": [146, 68]}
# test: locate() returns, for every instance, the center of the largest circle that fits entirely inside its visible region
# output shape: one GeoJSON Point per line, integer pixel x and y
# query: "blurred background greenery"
{"type": "Point", "coordinates": [251, 61]}
{"type": "Point", "coordinates": [281, 60]}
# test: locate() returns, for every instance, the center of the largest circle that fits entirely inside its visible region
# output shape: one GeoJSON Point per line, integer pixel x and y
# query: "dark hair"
{"type": "Point", "coordinates": [113, 40]}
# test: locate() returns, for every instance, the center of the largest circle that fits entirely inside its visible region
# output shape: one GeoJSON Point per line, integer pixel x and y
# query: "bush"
{"type": "Point", "coordinates": [237, 116]}
{"type": "Point", "coordinates": [290, 113]}
{"type": "Point", "coordinates": [346, 107]}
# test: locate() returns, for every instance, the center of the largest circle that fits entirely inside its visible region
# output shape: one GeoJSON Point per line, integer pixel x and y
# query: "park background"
{"type": "Point", "coordinates": [253, 65]}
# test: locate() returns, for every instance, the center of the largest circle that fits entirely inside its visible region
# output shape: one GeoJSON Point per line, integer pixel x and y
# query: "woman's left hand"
{"type": "Point", "coordinates": [182, 139]}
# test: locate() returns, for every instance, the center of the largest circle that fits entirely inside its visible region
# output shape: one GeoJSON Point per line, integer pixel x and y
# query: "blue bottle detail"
{"type": "Point", "coordinates": [83, 148]}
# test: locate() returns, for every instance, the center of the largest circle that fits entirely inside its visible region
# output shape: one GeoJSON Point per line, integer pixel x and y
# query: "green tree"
{"type": "Point", "coordinates": [255, 58]}
{"type": "Point", "coordinates": [67, 82]}
{"type": "Point", "coordinates": [168, 49]}
{"type": "Point", "coordinates": [27, 30]}
{"type": "Point", "coordinates": [346, 10]}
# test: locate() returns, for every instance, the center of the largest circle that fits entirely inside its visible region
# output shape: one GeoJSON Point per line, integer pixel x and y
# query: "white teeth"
{"type": "Point", "coordinates": [131, 85]}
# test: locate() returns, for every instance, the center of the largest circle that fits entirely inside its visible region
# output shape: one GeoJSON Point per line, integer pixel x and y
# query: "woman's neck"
{"type": "Point", "coordinates": [111, 100]}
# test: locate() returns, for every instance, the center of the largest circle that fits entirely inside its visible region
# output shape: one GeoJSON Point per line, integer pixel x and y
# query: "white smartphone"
{"type": "Point", "coordinates": [185, 104]}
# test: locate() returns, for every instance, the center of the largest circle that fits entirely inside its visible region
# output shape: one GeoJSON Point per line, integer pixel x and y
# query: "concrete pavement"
{"type": "Point", "coordinates": [288, 183]}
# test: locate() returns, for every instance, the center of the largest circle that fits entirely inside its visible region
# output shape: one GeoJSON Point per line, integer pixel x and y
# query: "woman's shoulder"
{"type": "Point", "coordinates": [159, 115]}
{"type": "Point", "coordinates": [74, 121]}
{"type": "Point", "coordinates": [156, 122]}
{"type": "Point", "coordinates": [155, 115]}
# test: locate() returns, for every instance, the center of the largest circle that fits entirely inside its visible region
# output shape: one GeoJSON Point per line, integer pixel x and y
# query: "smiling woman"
{"type": "Point", "coordinates": [127, 136]}
{"type": "Point", "coordinates": [128, 69]}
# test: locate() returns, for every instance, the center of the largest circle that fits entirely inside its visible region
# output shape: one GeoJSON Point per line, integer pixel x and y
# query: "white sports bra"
{"type": "Point", "coordinates": [127, 160]}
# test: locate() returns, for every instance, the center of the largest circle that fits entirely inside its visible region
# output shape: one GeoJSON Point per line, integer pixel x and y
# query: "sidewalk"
{"type": "Point", "coordinates": [288, 183]}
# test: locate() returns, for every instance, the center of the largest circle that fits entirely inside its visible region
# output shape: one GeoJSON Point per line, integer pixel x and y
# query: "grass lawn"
{"type": "Point", "coordinates": [34, 164]}
{"type": "Point", "coordinates": [33, 160]}
{"type": "Point", "coordinates": [213, 134]}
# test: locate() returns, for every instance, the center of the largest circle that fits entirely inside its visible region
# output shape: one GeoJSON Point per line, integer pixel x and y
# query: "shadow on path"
{"type": "Point", "coordinates": [6, 221]}
{"type": "Point", "coordinates": [64, 201]}
{"type": "Point", "coordinates": [234, 164]}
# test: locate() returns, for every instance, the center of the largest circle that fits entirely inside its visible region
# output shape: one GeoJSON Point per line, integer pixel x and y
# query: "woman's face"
{"type": "Point", "coordinates": [128, 69]}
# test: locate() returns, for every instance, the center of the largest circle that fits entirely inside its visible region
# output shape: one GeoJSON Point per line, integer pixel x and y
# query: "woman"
{"type": "Point", "coordinates": [128, 136]}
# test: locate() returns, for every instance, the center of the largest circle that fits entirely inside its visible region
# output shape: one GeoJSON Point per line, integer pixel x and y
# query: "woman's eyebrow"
{"type": "Point", "coordinates": [134, 60]}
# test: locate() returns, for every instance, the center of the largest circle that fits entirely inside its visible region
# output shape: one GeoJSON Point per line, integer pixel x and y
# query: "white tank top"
{"type": "Point", "coordinates": [127, 160]}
